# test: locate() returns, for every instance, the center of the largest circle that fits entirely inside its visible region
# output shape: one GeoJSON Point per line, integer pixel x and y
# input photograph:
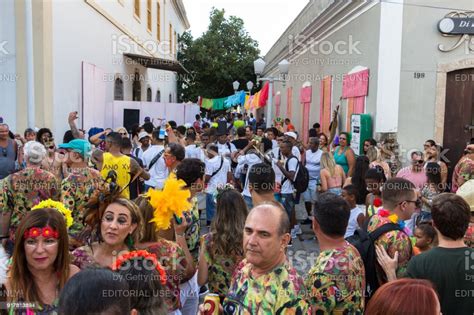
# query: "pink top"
{"type": "Point", "coordinates": [418, 179]}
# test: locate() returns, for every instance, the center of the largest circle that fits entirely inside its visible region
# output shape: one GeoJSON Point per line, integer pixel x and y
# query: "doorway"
{"type": "Point", "coordinates": [459, 115]}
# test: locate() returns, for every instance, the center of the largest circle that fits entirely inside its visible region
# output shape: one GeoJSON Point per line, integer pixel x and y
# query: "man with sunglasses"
{"type": "Point", "coordinates": [8, 152]}
{"type": "Point", "coordinates": [415, 173]}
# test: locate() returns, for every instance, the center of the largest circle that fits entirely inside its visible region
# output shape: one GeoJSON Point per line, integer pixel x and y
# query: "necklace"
{"type": "Point", "coordinates": [394, 219]}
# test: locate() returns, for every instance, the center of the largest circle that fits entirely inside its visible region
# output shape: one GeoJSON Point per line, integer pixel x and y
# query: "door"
{"type": "Point", "coordinates": [459, 115]}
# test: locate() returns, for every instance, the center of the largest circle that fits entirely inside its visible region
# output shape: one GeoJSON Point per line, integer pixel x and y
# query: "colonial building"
{"type": "Point", "coordinates": [82, 55]}
{"type": "Point", "coordinates": [389, 59]}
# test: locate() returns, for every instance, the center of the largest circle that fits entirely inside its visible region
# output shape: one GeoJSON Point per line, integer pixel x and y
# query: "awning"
{"type": "Point", "coordinates": [158, 63]}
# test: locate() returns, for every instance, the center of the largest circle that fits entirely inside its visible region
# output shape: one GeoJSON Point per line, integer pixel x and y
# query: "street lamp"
{"type": "Point", "coordinates": [283, 67]}
{"type": "Point", "coordinates": [236, 85]}
{"type": "Point", "coordinates": [249, 86]}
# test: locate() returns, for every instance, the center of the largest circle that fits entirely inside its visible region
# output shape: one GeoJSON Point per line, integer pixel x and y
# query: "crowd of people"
{"type": "Point", "coordinates": [83, 230]}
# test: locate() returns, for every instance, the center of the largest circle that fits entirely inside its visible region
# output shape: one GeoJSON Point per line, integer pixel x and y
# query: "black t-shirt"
{"type": "Point", "coordinates": [136, 187]}
{"type": "Point", "coordinates": [451, 270]}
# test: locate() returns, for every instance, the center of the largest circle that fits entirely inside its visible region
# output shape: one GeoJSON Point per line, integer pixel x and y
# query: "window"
{"type": "Point", "coordinates": [118, 90]}
{"type": "Point", "coordinates": [148, 14]}
{"type": "Point", "coordinates": [148, 95]}
{"type": "Point", "coordinates": [158, 21]}
{"type": "Point", "coordinates": [136, 88]}
{"type": "Point", "coordinates": [158, 96]}
{"type": "Point", "coordinates": [171, 39]}
{"type": "Point", "coordinates": [137, 8]}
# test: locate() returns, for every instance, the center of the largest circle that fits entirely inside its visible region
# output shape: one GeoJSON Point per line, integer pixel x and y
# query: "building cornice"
{"type": "Point", "coordinates": [181, 12]}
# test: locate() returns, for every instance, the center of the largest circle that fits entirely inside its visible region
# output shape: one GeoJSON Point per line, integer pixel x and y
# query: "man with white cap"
{"type": "Point", "coordinates": [144, 139]}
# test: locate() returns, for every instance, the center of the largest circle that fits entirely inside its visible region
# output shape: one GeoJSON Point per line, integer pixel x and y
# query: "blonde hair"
{"type": "Point", "coordinates": [327, 162]}
{"type": "Point", "coordinates": [373, 154]}
{"type": "Point", "coordinates": [121, 129]}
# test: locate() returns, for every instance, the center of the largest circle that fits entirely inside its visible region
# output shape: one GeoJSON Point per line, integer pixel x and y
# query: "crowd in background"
{"type": "Point", "coordinates": [79, 219]}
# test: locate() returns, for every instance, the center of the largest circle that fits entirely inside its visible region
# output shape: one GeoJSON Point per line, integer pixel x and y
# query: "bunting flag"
{"type": "Point", "coordinates": [264, 95]}
{"type": "Point", "coordinates": [239, 98]}
{"type": "Point", "coordinates": [206, 103]}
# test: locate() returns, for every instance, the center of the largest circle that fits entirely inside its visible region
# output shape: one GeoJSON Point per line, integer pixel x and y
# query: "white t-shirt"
{"type": "Point", "coordinates": [275, 153]}
{"type": "Point", "coordinates": [287, 186]}
{"type": "Point", "coordinates": [274, 144]}
{"type": "Point", "coordinates": [220, 179]}
{"type": "Point", "coordinates": [138, 152]}
{"type": "Point", "coordinates": [250, 159]}
{"type": "Point", "coordinates": [224, 149]}
{"type": "Point", "coordinates": [159, 171]}
{"type": "Point", "coordinates": [353, 225]}
{"type": "Point", "coordinates": [194, 152]}
{"type": "Point", "coordinates": [313, 163]}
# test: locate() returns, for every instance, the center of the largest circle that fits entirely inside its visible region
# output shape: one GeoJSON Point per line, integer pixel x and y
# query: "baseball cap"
{"type": "Point", "coordinates": [291, 134]}
{"type": "Point", "coordinates": [77, 145]}
{"type": "Point", "coordinates": [142, 135]}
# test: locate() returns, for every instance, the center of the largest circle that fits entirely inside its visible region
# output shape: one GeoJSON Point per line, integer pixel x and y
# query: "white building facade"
{"type": "Point", "coordinates": [88, 53]}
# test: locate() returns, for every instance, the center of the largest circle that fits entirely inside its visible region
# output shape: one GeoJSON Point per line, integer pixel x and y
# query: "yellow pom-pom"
{"type": "Point", "coordinates": [173, 199]}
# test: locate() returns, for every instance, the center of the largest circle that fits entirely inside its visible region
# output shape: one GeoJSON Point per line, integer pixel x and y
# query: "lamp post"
{"type": "Point", "coordinates": [283, 67]}
{"type": "Point", "coordinates": [236, 85]}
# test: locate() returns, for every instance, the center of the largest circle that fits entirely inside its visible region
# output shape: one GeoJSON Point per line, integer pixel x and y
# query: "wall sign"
{"type": "Point", "coordinates": [461, 25]}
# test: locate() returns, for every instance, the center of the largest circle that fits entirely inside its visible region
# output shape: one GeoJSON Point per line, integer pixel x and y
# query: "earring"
{"type": "Point", "coordinates": [129, 241]}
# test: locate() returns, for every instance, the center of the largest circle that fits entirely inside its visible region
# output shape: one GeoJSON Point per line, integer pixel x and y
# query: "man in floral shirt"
{"type": "Point", "coordinates": [399, 203]}
{"type": "Point", "coordinates": [79, 185]}
{"type": "Point", "coordinates": [20, 191]}
{"type": "Point", "coordinates": [336, 282]}
{"type": "Point", "coordinates": [264, 282]}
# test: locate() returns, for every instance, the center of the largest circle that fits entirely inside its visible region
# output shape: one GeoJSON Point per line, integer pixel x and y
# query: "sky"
{"type": "Point", "coordinates": [264, 20]}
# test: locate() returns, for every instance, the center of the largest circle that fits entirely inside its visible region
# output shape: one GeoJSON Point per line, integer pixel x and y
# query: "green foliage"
{"type": "Point", "coordinates": [223, 54]}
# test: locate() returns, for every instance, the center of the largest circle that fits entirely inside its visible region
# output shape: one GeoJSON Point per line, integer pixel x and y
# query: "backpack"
{"type": "Point", "coordinates": [365, 244]}
{"type": "Point", "coordinates": [301, 181]}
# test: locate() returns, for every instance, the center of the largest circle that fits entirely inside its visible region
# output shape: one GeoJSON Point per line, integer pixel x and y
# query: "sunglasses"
{"type": "Point", "coordinates": [4, 152]}
{"type": "Point", "coordinates": [418, 162]}
{"type": "Point", "coordinates": [123, 133]}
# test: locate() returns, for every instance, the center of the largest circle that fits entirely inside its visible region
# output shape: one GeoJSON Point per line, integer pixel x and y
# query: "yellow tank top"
{"type": "Point", "coordinates": [121, 167]}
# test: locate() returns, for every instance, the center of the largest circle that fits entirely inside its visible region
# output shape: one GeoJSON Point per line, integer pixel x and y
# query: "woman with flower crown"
{"type": "Point", "coordinates": [40, 262]}
{"type": "Point", "coordinates": [112, 227]}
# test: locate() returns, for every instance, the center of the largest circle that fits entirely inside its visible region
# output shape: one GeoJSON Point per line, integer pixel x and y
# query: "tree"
{"type": "Point", "coordinates": [223, 54]}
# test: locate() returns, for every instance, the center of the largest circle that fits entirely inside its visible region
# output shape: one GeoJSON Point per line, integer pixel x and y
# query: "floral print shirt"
{"type": "Point", "coordinates": [469, 236]}
{"type": "Point", "coordinates": [193, 229]}
{"type": "Point", "coordinates": [280, 291]}
{"type": "Point", "coordinates": [83, 258]}
{"type": "Point", "coordinates": [76, 190]}
{"type": "Point", "coordinates": [336, 282]}
{"type": "Point", "coordinates": [21, 191]}
{"type": "Point", "coordinates": [221, 268]}
{"type": "Point", "coordinates": [392, 241]}
{"type": "Point", "coordinates": [171, 256]}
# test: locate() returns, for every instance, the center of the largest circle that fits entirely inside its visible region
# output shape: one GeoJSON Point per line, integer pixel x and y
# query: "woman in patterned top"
{"type": "Point", "coordinates": [221, 248]}
{"type": "Point", "coordinates": [41, 264]}
{"type": "Point", "coordinates": [112, 227]}
{"type": "Point", "coordinates": [175, 259]}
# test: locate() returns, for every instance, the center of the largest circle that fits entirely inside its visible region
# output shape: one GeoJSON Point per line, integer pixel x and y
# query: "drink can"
{"type": "Point", "coordinates": [211, 304]}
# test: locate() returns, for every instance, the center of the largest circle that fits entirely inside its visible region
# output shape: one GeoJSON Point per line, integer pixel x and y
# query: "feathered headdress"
{"type": "Point", "coordinates": [171, 200]}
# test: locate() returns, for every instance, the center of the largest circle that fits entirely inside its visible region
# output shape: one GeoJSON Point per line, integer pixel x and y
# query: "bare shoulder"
{"type": "Point", "coordinates": [73, 269]}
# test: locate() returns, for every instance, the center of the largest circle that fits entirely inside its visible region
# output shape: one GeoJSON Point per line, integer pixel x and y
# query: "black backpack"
{"type": "Point", "coordinates": [364, 242]}
{"type": "Point", "coordinates": [301, 178]}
